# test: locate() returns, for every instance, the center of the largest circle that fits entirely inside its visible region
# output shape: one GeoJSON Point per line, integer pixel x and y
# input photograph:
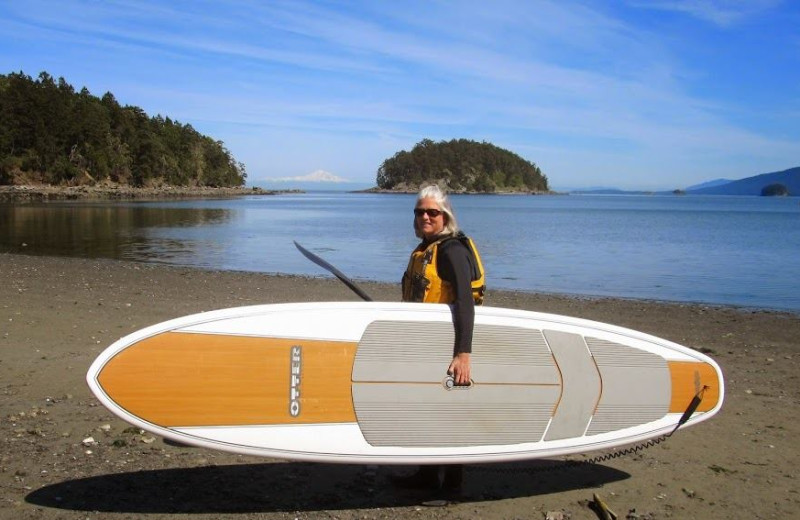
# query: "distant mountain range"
{"type": "Point", "coordinates": [709, 184]}
{"type": "Point", "coordinates": [790, 179]}
{"type": "Point", "coordinates": [319, 180]}
{"type": "Point", "coordinates": [788, 182]}
{"type": "Point", "coordinates": [315, 176]}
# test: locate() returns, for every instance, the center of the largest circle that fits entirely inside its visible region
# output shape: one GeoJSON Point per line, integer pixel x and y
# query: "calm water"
{"type": "Point", "coordinates": [742, 251]}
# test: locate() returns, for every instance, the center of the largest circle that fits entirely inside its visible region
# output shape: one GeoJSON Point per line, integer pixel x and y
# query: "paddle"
{"type": "Point", "coordinates": [338, 274]}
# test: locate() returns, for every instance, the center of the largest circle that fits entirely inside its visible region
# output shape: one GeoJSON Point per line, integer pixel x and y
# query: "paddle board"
{"type": "Point", "coordinates": [366, 382]}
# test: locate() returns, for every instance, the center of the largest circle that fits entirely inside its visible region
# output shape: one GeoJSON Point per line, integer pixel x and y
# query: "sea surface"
{"type": "Point", "coordinates": [737, 251]}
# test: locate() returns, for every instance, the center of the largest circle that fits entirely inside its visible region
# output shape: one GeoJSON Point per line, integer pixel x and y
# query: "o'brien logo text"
{"type": "Point", "coordinates": [294, 381]}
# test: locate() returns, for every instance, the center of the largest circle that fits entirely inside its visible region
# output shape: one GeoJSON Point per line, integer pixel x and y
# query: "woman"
{"type": "Point", "coordinates": [444, 268]}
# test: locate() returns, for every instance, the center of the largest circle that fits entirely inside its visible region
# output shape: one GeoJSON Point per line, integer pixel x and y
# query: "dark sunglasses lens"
{"type": "Point", "coordinates": [433, 213]}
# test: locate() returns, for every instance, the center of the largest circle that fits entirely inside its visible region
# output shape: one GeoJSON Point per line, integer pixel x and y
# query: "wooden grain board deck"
{"type": "Point", "coordinates": [189, 379]}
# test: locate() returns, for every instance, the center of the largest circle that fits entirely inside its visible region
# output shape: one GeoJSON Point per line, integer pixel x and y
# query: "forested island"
{"type": "Point", "coordinates": [460, 165]}
{"type": "Point", "coordinates": [52, 134]}
{"type": "Point", "coordinates": [53, 137]}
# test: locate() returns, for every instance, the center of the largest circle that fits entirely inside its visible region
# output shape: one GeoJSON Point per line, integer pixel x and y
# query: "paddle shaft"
{"type": "Point", "coordinates": [331, 269]}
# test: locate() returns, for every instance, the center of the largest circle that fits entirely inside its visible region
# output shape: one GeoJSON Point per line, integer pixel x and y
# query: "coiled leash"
{"type": "Point", "coordinates": [632, 450]}
{"type": "Point", "coordinates": [695, 402]}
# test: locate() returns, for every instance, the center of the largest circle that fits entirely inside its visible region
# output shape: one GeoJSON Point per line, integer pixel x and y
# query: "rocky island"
{"type": "Point", "coordinates": [460, 166]}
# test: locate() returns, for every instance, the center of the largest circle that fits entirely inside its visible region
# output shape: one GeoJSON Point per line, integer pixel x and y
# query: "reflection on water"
{"type": "Point", "coordinates": [726, 250]}
{"type": "Point", "coordinates": [120, 231]}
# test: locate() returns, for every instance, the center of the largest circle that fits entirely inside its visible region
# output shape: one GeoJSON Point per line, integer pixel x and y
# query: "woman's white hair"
{"type": "Point", "coordinates": [435, 192]}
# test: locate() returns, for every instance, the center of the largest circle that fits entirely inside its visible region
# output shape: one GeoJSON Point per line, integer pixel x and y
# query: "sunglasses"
{"type": "Point", "coordinates": [432, 213]}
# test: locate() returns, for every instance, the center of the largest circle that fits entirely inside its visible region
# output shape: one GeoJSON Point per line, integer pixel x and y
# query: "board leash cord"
{"type": "Point", "coordinates": [632, 450]}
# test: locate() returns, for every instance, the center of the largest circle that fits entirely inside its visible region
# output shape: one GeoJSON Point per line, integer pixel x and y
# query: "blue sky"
{"type": "Point", "coordinates": [637, 94]}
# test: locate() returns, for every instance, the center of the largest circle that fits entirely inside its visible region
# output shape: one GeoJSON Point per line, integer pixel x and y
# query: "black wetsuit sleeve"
{"type": "Point", "coordinates": [455, 265]}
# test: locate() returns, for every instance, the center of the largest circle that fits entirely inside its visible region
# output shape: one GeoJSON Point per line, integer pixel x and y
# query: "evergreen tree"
{"type": "Point", "coordinates": [50, 133]}
{"type": "Point", "coordinates": [461, 165]}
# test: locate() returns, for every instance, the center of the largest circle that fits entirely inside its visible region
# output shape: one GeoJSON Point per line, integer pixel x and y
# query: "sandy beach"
{"type": "Point", "coordinates": [57, 314]}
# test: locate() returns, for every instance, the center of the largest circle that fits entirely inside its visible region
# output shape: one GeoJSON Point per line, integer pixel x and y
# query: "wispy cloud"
{"type": "Point", "coordinates": [724, 13]}
{"type": "Point", "coordinates": [563, 81]}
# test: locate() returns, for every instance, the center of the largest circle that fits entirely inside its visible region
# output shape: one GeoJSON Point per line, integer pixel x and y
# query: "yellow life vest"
{"type": "Point", "coordinates": [421, 281]}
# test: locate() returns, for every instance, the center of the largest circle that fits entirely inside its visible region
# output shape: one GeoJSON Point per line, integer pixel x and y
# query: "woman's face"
{"type": "Point", "coordinates": [429, 218]}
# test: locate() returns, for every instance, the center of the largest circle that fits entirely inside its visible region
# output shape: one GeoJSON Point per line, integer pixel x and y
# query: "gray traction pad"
{"type": "Point", "coordinates": [400, 400]}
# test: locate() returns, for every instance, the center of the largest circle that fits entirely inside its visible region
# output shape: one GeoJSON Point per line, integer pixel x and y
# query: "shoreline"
{"type": "Point", "coordinates": [405, 190]}
{"type": "Point", "coordinates": [57, 314]}
{"type": "Point", "coordinates": [113, 191]}
{"type": "Point", "coordinates": [505, 293]}
{"type": "Point", "coordinates": [38, 193]}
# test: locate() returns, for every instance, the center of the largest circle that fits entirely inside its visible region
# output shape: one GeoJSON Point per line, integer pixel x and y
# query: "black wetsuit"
{"type": "Point", "coordinates": [456, 265]}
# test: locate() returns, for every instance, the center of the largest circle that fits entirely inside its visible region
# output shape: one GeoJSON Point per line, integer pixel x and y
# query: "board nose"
{"type": "Point", "coordinates": [690, 379]}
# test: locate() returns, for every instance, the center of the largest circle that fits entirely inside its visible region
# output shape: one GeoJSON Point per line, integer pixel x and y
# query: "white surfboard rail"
{"type": "Point", "coordinates": [367, 382]}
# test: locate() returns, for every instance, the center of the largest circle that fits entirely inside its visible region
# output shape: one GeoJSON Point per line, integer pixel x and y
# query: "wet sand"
{"type": "Point", "coordinates": [57, 314]}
